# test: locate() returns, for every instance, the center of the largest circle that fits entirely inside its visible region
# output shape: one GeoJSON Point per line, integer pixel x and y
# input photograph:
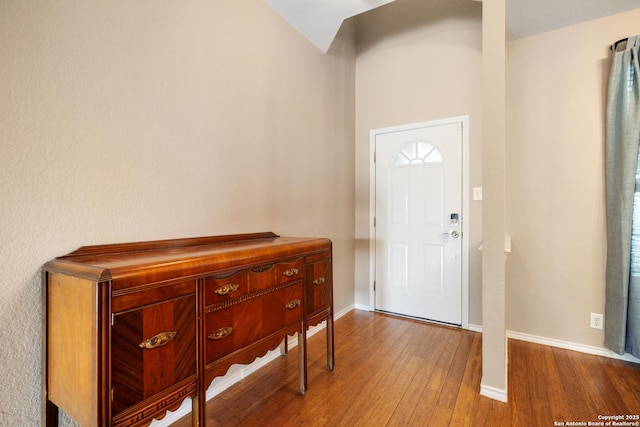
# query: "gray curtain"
{"type": "Point", "coordinates": [622, 309]}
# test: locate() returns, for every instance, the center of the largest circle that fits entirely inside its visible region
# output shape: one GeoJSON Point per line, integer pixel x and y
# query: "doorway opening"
{"type": "Point", "coordinates": [419, 234]}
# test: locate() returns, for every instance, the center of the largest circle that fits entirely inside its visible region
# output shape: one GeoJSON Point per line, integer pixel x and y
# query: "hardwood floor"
{"type": "Point", "coordinates": [397, 372]}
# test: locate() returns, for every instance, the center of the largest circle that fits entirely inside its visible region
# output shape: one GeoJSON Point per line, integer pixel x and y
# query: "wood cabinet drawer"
{"type": "Point", "coordinates": [153, 348]}
{"type": "Point", "coordinates": [282, 308]}
{"type": "Point", "coordinates": [234, 327]}
{"type": "Point", "coordinates": [223, 288]}
{"type": "Point", "coordinates": [233, 285]}
{"type": "Point", "coordinates": [318, 286]}
{"type": "Point", "coordinates": [231, 328]}
{"type": "Point", "coordinates": [262, 277]}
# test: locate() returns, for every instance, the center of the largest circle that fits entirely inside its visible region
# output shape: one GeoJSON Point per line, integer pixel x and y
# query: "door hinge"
{"type": "Point", "coordinates": [113, 319]}
{"type": "Point", "coordinates": [374, 157]}
{"type": "Point", "coordinates": [374, 221]}
{"type": "Point", "coordinates": [374, 285]}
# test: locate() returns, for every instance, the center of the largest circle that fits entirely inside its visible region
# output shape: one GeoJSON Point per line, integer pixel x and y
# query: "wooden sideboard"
{"type": "Point", "coordinates": [131, 330]}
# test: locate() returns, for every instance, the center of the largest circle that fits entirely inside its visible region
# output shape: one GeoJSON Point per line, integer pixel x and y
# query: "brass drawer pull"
{"type": "Point", "coordinates": [220, 333]}
{"type": "Point", "coordinates": [293, 304]}
{"type": "Point", "coordinates": [227, 289]}
{"type": "Point", "coordinates": [290, 272]}
{"type": "Point", "coordinates": [319, 281]}
{"type": "Point", "coordinates": [158, 340]}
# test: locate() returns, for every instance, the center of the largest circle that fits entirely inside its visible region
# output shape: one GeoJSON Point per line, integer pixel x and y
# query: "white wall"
{"type": "Point", "coordinates": [556, 85]}
{"type": "Point", "coordinates": [128, 121]}
{"type": "Point", "coordinates": [418, 61]}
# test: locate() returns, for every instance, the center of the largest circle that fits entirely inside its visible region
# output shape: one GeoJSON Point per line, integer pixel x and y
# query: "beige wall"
{"type": "Point", "coordinates": [555, 178]}
{"type": "Point", "coordinates": [127, 121]}
{"type": "Point", "coordinates": [418, 61]}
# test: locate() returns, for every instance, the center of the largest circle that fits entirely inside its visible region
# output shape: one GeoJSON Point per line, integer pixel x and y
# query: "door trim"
{"type": "Point", "coordinates": [464, 121]}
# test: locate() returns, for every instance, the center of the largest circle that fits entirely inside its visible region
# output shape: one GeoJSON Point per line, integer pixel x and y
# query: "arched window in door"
{"type": "Point", "coordinates": [417, 153]}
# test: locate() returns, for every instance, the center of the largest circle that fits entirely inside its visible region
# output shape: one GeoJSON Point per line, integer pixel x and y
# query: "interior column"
{"type": "Point", "coordinates": [494, 342]}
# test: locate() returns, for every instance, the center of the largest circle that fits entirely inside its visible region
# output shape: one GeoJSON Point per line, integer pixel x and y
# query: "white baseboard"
{"type": "Point", "coordinates": [501, 395]}
{"type": "Point", "coordinates": [493, 393]}
{"type": "Point", "coordinates": [567, 345]}
{"type": "Point", "coordinates": [238, 372]}
{"type": "Point", "coordinates": [342, 312]}
{"type": "Point", "coordinates": [475, 328]}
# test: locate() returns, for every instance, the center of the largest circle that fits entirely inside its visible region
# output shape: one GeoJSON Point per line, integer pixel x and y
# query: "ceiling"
{"type": "Point", "coordinates": [320, 20]}
{"type": "Point", "coordinates": [528, 17]}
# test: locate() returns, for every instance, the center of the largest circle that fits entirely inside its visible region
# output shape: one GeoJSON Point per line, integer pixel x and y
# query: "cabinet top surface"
{"type": "Point", "coordinates": [181, 257]}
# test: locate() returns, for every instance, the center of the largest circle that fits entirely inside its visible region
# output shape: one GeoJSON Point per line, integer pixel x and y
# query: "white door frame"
{"type": "Point", "coordinates": [464, 120]}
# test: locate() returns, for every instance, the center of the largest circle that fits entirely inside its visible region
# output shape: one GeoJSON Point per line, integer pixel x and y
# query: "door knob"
{"type": "Point", "coordinates": [454, 234]}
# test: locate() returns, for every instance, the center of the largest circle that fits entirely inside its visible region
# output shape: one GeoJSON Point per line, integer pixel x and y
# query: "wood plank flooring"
{"type": "Point", "coordinates": [397, 372]}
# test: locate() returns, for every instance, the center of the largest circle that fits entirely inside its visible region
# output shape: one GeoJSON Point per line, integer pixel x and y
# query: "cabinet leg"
{"type": "Point", "coordinates": [50, 415]}
{"type": "Point", "coordinates": [195, 411]}
{"type": "Point", "coordinates": [302, 361]}
{"type": "Point", "coordinates": [330, 342]}
{"type": "Point", "coordinates": [199, 409]}
{"type": "Point", "coordinates": [284, 346]}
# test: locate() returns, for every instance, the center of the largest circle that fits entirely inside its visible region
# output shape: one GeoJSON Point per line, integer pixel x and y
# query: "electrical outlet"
{"type": "Point", "coordinates": [596, 321]}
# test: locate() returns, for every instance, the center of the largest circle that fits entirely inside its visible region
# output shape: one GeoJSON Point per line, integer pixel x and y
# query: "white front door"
{"type": "Point", "coordinates": [418, 212]}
